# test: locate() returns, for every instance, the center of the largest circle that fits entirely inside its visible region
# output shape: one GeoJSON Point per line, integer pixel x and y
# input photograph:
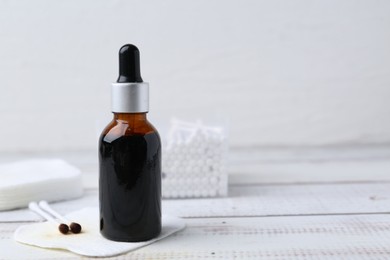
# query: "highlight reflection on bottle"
{"type": "Point", "coordinates": [130, 159]}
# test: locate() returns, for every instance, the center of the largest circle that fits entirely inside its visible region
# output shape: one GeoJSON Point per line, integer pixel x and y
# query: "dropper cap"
{"type": "Point", "coordinates": [129, 64]}
{"type": "Point", "coordinates": [129, 94]}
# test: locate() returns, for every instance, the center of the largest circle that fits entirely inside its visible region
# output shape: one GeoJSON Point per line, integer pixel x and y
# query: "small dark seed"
{"type": "Point", "coordinates": [75, 227]}
{"type": "Point", "coordinates": [63, 228]}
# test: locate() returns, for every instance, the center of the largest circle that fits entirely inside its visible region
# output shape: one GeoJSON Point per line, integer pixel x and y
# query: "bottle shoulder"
{"type": "Point", "coordinates": [118, 128]}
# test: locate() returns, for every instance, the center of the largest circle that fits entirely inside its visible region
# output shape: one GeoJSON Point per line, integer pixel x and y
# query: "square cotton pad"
{"type": "Point", "coordinates": [39, 179]}
{"type": "Point", "coordinates": [89, 242]}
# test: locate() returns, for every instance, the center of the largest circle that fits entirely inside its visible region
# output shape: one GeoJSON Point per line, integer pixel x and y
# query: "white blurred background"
{"type": "Point", "coordinates": [283, 73]}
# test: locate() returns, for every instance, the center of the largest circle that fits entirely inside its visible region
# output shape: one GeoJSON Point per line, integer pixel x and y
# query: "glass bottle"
{"type": "Point", "coordinates": [130, 160]}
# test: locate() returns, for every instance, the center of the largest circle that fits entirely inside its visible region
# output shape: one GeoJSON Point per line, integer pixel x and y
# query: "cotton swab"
{"type": "Point", "coordinates": [74, 227]}
{"type": "Point", "coordinates": [33, 206]}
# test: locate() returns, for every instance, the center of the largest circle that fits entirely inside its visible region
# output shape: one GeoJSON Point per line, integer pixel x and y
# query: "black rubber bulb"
{"type": "Point", "coordinates": [129, 64]}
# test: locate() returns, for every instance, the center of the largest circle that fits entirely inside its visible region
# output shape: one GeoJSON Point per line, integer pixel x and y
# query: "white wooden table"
{"type": "Point", "coordinates": [289, 214]}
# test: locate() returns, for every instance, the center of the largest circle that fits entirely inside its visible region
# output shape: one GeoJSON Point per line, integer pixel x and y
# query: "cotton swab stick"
{"type": "Point", "coordinates": [74, 227]}
{"type": "Point", "coordinates": [33, 206]}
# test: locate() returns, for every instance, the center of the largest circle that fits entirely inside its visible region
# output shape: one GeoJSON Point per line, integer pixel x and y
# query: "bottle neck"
{"type": "Point", "coordinates": [130, 117]}
{"type": "Point", "coordinates": [132, 123]}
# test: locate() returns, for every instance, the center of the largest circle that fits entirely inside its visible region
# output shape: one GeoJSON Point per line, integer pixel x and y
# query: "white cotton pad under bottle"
{"type": "Point", "coordinates": [39, 179]}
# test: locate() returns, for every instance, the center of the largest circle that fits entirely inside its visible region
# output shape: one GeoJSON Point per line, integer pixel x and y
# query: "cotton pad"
{"type": "Point", "coordinates": [89, 242]}
{"type": "Point", "coordinates": [39, 179]}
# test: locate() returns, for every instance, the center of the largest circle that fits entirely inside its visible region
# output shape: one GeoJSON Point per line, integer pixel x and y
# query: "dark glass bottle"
{"type": "Point", "coordinates": [130, 164]}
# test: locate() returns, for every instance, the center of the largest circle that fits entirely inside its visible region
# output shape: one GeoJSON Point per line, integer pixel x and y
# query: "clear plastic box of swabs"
{"type": "Point", "coordinates": [194, 161]}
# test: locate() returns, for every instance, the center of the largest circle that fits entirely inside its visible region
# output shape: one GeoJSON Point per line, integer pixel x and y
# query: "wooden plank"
{"type": "Point", "coordinates": [310, 171]}
{"type": "Point", "coordinates": [271, 200]}
{"type": "Point", "coordinates": [260, 200]}
{"type": "Point", "coordinates": [364, 236]}
{"type": "Point", "coordinates": [303, 237]}
{"type": "Point", "coordinates": [315, 154]}
{"type": "Point", "coordinates": [248, 165]}
{"type": "Point", "coordinates": [90, 198]}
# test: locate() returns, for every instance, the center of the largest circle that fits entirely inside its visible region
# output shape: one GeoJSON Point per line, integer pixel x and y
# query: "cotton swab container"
{"type": "Point", "coordinates": [193, 163]}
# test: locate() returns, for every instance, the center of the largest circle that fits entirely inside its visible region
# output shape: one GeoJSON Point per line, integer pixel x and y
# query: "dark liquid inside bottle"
{"type": "Point", "coordinates": [130, 186]}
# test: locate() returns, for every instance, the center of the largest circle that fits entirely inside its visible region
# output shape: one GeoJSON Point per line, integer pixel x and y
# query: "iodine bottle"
{"type": "Point", "coordinates": [130, 159]}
